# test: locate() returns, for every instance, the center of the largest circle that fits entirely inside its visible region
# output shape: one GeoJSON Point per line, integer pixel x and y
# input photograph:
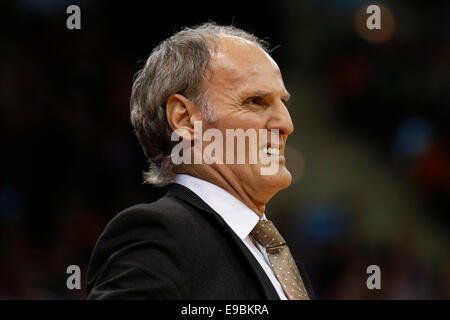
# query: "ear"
{"type": "Point", "coordinates": [181, 114]}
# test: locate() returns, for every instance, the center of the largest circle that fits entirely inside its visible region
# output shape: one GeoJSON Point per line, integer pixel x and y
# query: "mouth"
{"type": "Point", "coordinates": [274, 148]}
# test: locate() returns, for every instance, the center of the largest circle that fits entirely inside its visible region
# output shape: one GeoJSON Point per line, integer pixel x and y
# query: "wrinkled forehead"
{"type": "Point", "coordinates": [239, 60]}
{"type": "Point", "coordinates": [237, 49]}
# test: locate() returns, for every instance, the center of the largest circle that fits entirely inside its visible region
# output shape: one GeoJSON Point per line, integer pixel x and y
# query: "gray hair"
{"type": "Point", "coordinates": [178, 64]}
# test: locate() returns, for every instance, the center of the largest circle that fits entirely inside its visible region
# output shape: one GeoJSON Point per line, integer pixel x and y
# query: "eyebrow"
{"type": "Point", "coordinates": [286, 96]}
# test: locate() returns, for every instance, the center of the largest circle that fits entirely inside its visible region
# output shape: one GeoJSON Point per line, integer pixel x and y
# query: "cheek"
{"type": "Point", "coordinates": [244, 120]}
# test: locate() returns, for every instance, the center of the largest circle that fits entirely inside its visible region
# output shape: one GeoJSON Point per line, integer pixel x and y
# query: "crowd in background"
{"type": "Point", "coordinates": [70, 160]}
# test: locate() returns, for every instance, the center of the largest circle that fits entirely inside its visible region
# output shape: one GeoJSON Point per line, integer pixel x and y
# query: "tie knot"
{"type": "Point", "coordinates": [267, 235]}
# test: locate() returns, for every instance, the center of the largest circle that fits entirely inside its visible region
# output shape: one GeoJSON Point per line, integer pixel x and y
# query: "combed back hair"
{"type": "Point", "coordinates": [179, 64]}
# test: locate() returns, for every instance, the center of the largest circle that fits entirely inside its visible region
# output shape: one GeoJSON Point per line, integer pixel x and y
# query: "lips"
{"type": "Point", "coordinates": [274, 148]}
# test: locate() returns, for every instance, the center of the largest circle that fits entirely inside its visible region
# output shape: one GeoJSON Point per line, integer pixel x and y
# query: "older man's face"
{"type": "Point", "coordinates": [245, 91]}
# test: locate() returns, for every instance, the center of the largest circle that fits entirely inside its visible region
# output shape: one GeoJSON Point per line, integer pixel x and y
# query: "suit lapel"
{"type": "Point", "coordinates": [187, 195]}
{"type": "Point", "coordinates": [258, 271]}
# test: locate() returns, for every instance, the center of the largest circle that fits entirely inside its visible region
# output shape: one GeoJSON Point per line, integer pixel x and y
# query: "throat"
{"type": "Point", "coordinates": [230, 183]}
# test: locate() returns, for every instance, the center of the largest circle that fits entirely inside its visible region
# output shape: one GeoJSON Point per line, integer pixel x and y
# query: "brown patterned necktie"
{"type": "Point", "coordinates": [280, 257]}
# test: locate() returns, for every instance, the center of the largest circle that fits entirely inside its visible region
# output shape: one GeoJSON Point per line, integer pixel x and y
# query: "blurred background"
{"type": "Point", "coordinates": [370, 154]}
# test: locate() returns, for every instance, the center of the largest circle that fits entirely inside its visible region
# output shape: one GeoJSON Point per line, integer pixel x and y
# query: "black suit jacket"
{"type": "Point", "coordinates": [175, 248]}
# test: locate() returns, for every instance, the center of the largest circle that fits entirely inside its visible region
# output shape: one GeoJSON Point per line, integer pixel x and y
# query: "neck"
{"type": "Point", "coordinates": [228, 181]}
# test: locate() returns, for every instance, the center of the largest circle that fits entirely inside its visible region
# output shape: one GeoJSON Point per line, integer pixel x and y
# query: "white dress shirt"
{"type": "Point", "coordinates": [240, 218]}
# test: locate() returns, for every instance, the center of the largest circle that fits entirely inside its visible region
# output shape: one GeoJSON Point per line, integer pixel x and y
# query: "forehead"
{"type": "Point", "coordinates": [240, 65]}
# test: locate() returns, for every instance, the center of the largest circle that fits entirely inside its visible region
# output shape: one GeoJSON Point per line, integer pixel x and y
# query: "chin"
{"type": "Point", "coordinates": [279, 181]}
{"type": "Point", "coordinates": [285, 178]}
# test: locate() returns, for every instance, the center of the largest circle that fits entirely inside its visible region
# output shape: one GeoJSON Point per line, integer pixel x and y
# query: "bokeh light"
{"type": "Point", "coordinates": [375, 35]}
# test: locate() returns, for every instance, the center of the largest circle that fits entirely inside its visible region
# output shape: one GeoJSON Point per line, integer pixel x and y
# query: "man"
{"type": "Point", "coordinates": [208, 238]}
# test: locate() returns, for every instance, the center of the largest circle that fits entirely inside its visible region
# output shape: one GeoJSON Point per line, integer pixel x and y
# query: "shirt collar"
{"type": "Point", "coordinates": [240, 218]}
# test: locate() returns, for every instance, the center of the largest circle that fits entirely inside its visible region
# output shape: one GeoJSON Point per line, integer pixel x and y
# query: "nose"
{"type": "Point", "coordinates": [281, 120]}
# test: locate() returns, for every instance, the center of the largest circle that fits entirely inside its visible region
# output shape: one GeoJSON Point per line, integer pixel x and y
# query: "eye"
{"type": "Point", "coordinates": [255, 101]}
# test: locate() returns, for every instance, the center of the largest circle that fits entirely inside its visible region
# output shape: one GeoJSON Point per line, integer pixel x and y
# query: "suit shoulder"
{"type": "Point", "coordinates": [167, 210]}
{"type": "Point", "coordinates": [138, 234]}
{"type": "Point", "coordinates": [166, 213]}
